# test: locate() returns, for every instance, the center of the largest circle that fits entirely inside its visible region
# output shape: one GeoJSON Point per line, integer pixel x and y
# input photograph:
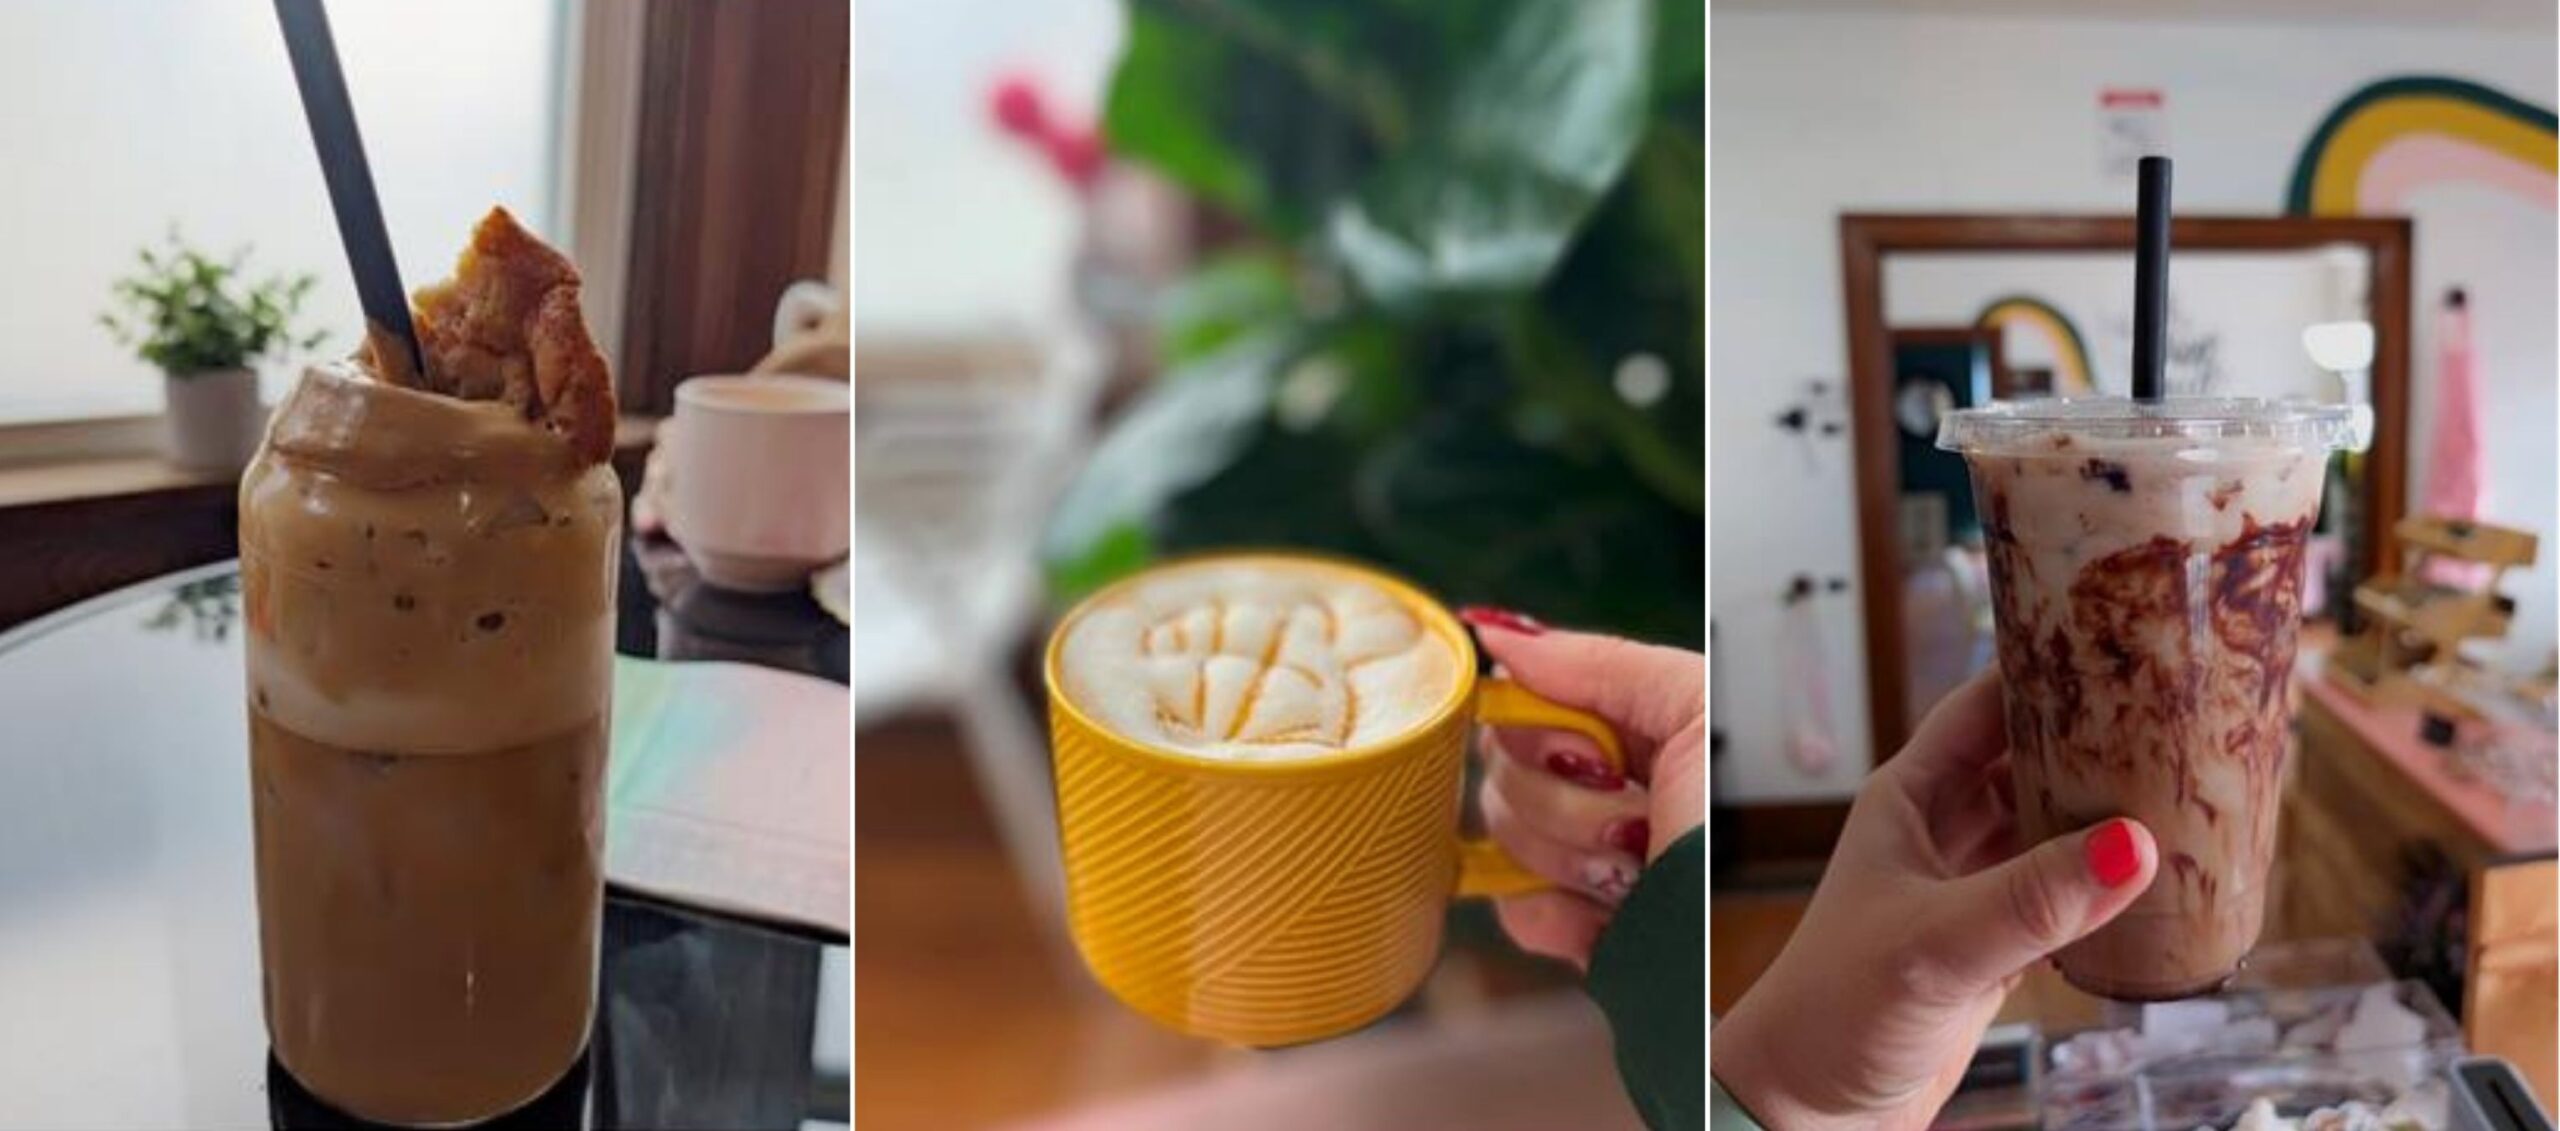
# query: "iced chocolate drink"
{"type": "Point", "coordinates": [2146, 577]}
{"type": "Point", "coordinates": [428, 568]}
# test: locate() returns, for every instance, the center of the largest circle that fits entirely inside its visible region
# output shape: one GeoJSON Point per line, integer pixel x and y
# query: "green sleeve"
{"type": "Point", "coordinates": [1729, 1115]}
{"type": "Point", "coordinates": [1649, 975]}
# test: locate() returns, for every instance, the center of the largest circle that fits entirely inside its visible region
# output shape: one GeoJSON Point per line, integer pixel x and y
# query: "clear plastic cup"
{"type": "Point", "coordinates": [2146, 579]}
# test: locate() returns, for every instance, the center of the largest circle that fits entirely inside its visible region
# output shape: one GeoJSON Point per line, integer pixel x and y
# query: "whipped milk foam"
{"type": "Point", "coordinates": [434, 577]}
{"type": "Point", "coordinates": [1256, 661]}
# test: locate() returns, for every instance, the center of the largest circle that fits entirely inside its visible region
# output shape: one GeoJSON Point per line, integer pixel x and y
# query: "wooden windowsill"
{"type": "Point", "coordinates": [57, 482]}
{"type": "Point", "coordinates": [46, 484]}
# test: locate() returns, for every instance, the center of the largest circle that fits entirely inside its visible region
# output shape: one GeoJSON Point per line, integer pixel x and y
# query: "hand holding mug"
{"type": "Point", "coordinates": [1552, 803]}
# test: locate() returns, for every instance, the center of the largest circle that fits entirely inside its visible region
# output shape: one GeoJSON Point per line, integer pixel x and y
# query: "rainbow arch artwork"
{"type": "Point", "coordinates": [2072, 375]}
{"type": "Point", "coordinates": [2397, 135]}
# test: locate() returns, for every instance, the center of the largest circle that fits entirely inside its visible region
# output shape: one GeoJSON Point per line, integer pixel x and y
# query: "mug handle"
{"type": "Point", "coordinates": [1485, 871]}
{"type": "Point", "coordinates": [801, 308]}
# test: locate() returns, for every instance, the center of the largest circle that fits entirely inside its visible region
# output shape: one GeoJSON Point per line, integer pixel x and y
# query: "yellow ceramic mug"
{"type": "Point", "coordinates": [1276, 902]}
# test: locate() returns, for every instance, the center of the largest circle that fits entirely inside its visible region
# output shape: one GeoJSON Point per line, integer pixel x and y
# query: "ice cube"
{"type": "Point", "coordinates": [2173, 1027]}
{"type": "Point", "coordinates": [2382, 1036]}
{"type": "Point", "coordinates": [2381, 1022]}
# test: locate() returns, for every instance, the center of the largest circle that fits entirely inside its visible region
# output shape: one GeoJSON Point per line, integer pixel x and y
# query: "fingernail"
{"type": "Point", "coordinates": [1584, 772]}
{"type": "Point", "coordinates": [1631, 835]}
{"type": "Point", "coordinates": [1608, 878]}
{"type": "Point", "coordinates": [1486, 616]}
{"type": "Point", "coordinates": [2113, 859]}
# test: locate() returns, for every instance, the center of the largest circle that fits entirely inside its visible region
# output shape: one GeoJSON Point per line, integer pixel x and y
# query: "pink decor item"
{"type": "Point", "coordinates": [1021, 111]}
{"type": "Point", "coordinates": [2413, 162]}
{"type": "Point", "coordinates": [2457, 465]}
{"type": "Point", "coordinates": [2455, 460]}
{"type": "Point", "coordinates": [1810, 745]}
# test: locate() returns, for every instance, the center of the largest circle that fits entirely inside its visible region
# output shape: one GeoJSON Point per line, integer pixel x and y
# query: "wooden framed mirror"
{"type": "Point", "coordinates": [2315, 307]}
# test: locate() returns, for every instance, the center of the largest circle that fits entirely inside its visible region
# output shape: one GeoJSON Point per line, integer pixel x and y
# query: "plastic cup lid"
{"type": "Point", "coordinates": [2336, 427]}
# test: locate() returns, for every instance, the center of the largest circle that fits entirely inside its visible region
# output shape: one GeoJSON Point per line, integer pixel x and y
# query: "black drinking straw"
{"type": "Point", "coordinates": [2150, 278]}
{"type": "Point", "coordinates": [332, 117]}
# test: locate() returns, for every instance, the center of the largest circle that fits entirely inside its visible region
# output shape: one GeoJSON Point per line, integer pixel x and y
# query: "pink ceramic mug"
{"type": "Point", "coordinates": [761, 470]}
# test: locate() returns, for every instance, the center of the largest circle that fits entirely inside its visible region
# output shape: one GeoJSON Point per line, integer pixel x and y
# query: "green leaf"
{"type": "Point", "coordinates": [1633, 286]}
{"type": "Point", "coordinates": [1221, 300]}
{"type": "Point", "coordinates": [1368, 57]}
{"type": "Point", "coordinates": [1286, 490]}
{"type": "Point", "coordinates": [1379, 392]}
{"type": "Point", "coordinates": [1446, 227]}
{"type": "Point", "coordinates": [1560, 90]}
{"type": "Point", "coordinates": [1680, 65]}
{"type": "Point", "coordinates": [1119, 551]}
{"type": "Point", "coordinates": [1528, 141]}
{"type": "Point", "coordinates": [1563, 374]}
{"type": "Point", "coordinates": [1153, 113]}
{"type": "Point", "coordinates": [1478, 517]}
{"type": "Point", "coordinates": [1669, 194]}
{"type": "Point", "coordinates": [1679, 49]}
{"type": "Point", "coordinates": [1222, 99]}
{"type": "Point", "coordinates": [1528, 158]}
{"type": "Point", "coordinates": [1189, 427]}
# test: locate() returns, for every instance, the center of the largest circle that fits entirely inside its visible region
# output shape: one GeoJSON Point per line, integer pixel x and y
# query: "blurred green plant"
{"type": "Point", "coordinates": [1463, 336]}
{"type": "Point", "coordinates": [185, 312]}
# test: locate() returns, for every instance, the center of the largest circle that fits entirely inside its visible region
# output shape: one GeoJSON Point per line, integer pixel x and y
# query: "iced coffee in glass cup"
{"type": "Point", "coordinates": [428, 567]}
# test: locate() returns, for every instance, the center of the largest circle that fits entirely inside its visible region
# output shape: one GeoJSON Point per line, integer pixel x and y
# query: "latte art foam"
{"type": "Point", "coordinates": [1255, 661]}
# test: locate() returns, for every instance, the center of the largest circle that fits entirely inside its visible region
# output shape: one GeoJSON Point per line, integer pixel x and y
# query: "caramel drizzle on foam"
{"type": "Point", "coordinates": [1193, 724]}
{"type": "Point", "coordinates": [1261, 676]}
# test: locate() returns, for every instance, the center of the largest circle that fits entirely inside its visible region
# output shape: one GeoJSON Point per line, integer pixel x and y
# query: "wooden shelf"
{"type": "Point", "coordinates": [2469, 541]}
{"type": "Point", "coordinates": [2445, 616]}
{"type": "Point", "coordinates": [2386, 666]}
{"type": "Point", "coordinates": [2356, 665]}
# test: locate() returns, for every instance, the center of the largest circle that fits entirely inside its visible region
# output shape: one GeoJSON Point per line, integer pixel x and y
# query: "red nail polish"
{"type": "Point", "coordinates": [2113, 859]}
{"type": "Point", "coordinates": [1585, 772]}
{"type": "Point", "coordinates": [1486, 616]}
{"type": "Point", "coordinates": [1631, 835]}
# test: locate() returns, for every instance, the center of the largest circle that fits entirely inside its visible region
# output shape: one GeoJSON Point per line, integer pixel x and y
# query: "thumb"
{"type": "Point", "coordinates": [2005, 918]}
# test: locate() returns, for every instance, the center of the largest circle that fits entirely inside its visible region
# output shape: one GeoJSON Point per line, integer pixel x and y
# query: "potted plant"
{"type": "Point", "coordinates": [1460, 329]}
{"type": "Point", "coordinates": [204, 326]}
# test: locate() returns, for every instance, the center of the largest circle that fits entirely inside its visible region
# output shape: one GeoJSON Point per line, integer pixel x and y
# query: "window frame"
{"type": "Point", "coordinates": [594, 123]}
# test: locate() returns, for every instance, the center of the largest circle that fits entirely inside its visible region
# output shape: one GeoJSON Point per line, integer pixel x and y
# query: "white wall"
{"type": "Point", "coordinates": [1816, 115]}
{"type": "Point", "coordinates": [123, 118]}
{"type": "Point", "coordinates": [959, 231]}
{"type": "Point", "coordinates": [2254, 304]}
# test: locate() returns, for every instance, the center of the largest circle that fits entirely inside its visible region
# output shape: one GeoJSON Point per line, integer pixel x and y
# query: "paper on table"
{"type": "Point", "coordinates": [728, 790]}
